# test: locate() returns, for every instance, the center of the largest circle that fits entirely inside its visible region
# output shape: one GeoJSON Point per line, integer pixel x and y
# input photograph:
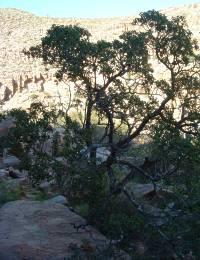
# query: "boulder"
{"type": "Point", "coordinates": [59, 199]}
{"type": "Point", "coordinates": [45, 186]}
{"type": "Point", "coordinates": [44, 230]}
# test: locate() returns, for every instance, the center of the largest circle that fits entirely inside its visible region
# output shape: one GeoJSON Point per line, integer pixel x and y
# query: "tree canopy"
{"type": "Point", "coordinates": [119, 82]}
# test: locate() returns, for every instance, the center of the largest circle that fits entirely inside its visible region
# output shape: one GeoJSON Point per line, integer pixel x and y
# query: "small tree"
{"type": "Point", "coordinates": [27, 139]}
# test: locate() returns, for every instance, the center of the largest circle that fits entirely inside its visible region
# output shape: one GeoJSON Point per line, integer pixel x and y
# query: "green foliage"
{"type": "Point", "coordinates": [27, 138]}
{"type": "Point", "coordinates": [182, 151]}
{"type": "Point", "coordinates": [55, 144]}
{"type": "Point", "coordinates": [174, 148]}
{"type": "Point", "coordinates": [74, 139]}
{"type": "Point", "coordinates": [85, 184]}
{"type": "Point", "coordinates": [9, 193]}
{"type": "Point", "coordinates": [41, 196]}
{"type": "Point", "coordinates": [40, 168]}
{"type": "Point", "coordinates": [31, 128]}
{"type": "Point", "coordinates": [112, 75]}
{"type": "Point", "coordinates": [119, 224]}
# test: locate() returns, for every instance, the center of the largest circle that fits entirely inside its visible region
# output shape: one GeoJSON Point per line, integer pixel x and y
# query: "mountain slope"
{"type": "Point", "coordinates": [19, 30]}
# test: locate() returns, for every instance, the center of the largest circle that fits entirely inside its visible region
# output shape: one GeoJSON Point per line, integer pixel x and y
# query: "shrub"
{"type": "Point", "coordinates": [9, 192]}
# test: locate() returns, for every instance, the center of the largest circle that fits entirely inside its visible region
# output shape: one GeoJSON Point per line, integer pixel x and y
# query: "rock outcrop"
{"type": "Point", "coordinates": [43, 230]}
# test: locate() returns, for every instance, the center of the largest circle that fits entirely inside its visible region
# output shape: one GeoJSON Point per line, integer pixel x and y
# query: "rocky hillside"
{"type": "Point", "coordinates": [21, 78]}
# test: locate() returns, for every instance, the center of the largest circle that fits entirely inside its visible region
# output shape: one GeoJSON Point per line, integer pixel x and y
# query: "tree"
{"type": "Point", "coordinates": [117, 78]}
{"type": "Point", "coordinates": [120, 83]}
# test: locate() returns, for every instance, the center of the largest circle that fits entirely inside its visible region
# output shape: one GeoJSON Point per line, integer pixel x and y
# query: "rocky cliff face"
{"type": "Point", "coordinates": [23, 79]}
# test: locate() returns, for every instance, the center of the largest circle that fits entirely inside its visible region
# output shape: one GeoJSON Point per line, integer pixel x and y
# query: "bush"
{"type": "Point", "coordinates": [9, 192]}
{"type": "Point", "coordinates": [86, 185]}
{"type": "Point", "coordinates": [27, 139]}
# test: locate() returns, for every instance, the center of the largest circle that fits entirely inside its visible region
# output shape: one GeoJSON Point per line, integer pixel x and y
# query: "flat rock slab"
{"type": "Point", "coordinates": [43, 230]}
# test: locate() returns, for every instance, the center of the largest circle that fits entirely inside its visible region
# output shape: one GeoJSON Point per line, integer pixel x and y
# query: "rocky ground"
{"type": "Point", "coordinates": [44, 230]}
{"type": "Point", "coordinates": [39, 224]}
